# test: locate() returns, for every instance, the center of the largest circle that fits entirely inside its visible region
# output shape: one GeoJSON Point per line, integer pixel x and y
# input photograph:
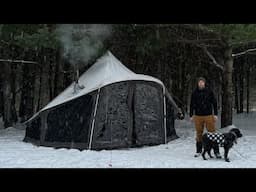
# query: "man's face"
{"type": "Point", "coordinates": [201, 84]}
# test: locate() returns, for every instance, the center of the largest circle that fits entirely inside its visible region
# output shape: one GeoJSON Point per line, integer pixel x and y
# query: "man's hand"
{"type": "Point", "coordinates": [192, 118]}
{"type": "Point", "coordinates": [215, 118]}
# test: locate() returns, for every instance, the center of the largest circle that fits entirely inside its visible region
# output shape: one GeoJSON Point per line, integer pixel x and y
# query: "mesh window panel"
{"type": "Point", "coordinates": [70, 123]}
{"type": "Point", "coordinates": [148, 113]}
{"type": "Point", "coordinates": [113, 118]}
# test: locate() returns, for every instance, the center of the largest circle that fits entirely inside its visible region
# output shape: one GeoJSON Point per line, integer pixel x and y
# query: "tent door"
{"type": "Point", "coordinates": [148, 125]}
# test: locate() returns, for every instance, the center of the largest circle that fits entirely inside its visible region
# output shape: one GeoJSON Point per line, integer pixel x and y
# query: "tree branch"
{"type": "Point", "coordinates": [195, 41]}
{"type": "Point", "coordinates": [244, 52]}
{"type": "Point", "coordinates": [204, 47]}
{"type": "Point", "coordinates": [242, 43]}
{"type": "Point", "coordinates": [18, 61]}
{"type": "Point", "coordinates": [211, 57]}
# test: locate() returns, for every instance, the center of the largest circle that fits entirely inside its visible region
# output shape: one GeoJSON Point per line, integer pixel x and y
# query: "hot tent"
{"type": "Point", "coordinates": [117, 108]}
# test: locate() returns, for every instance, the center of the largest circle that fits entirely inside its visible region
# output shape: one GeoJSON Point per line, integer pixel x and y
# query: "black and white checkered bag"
{"type": "Point", "coordinates": [216, 137]}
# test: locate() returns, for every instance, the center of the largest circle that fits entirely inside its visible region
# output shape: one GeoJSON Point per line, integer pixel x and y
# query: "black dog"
{"type": "Point", "coordinates": [226, 140]}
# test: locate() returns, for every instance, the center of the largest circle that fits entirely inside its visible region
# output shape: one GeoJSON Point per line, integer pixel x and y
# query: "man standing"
{"type": "Point", "coordinates": [203, 111]}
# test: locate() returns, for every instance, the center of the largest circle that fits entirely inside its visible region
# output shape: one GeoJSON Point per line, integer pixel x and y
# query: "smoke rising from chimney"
{"type": "Point", "coordinates": [81, 42]}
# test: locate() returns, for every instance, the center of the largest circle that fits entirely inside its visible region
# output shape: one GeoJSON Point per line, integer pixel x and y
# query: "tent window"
{"type": "Point", "coordinates": [113, 117]}
{"type": "Point", "coordinates": [71, 121]}
{"type": "Point", "coordinates": [129, 114]}
{"type": "Point", "coordinates": [148, 113]}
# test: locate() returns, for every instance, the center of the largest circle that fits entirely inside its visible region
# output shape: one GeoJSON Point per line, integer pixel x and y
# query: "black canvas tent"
{"type": "Point", "coordinates": [117, 108]}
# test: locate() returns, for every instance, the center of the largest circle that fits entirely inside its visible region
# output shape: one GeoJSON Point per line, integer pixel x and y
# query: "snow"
{"type": "Point", "coordinates": [176, 154]}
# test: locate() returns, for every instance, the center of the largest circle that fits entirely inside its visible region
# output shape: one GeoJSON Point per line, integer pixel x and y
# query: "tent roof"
{"type": "Point", "coordinates": [107, 70]}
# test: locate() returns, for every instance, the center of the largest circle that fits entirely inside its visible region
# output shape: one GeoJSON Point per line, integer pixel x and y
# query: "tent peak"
{"type": "Point", "coordinates": [106, 70]}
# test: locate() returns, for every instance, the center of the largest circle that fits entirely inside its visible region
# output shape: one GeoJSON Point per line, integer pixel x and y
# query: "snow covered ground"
{"type": "Point", "coordinates": [176, 154]}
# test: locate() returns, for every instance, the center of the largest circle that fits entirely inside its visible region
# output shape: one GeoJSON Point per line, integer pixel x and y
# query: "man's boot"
{"type": "Point", "coordinates": [199, 147]}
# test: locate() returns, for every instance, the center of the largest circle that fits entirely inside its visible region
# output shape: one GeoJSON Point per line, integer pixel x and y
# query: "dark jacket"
{"type": "Point", "coordinates": [203, 102]}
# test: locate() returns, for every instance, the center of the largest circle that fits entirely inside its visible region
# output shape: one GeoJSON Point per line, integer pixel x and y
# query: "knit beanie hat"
{"type": "Point", "coordinates": [201, 79]}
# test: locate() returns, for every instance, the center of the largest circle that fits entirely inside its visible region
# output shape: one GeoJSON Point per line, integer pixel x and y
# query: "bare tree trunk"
{"type": "Point", "coordinates": [236, 90]}
{"type": "Point", "coordinates": [58, 79]}
{"type": "Point", "coordinates": [248, 85]}
{"type": "Point", "coordinates": [179, 93]}
{"type": "Point", "coordinates": [226, 113]}
{"type": "Point", "coordinates": [189, 91]}
{"type": "Point", "coordinates": [56, 76]}
{"type": "Point", "coordinates": [7, 96]}
{"type": "Point", "coordinates": [39, 91]}
{"type": "Point", "coordinates": [27, 93]}
{"type": "Point", "coordinates": [1, 95]}
{"type": "Point", "coordinates": [220, 94]}
{"type": "Point", "coordinates": [45, 95]}
{"type": "Point", "coordinates": [13, 92]}
{"type": "Point", "coordinates": [159, 64]}
{"type": "Point", "coordinates": [241, 87]}
{"type": "Point", "coordinates": [9, 90]}
{"type": "Point", "coordinates": [50, 81]}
